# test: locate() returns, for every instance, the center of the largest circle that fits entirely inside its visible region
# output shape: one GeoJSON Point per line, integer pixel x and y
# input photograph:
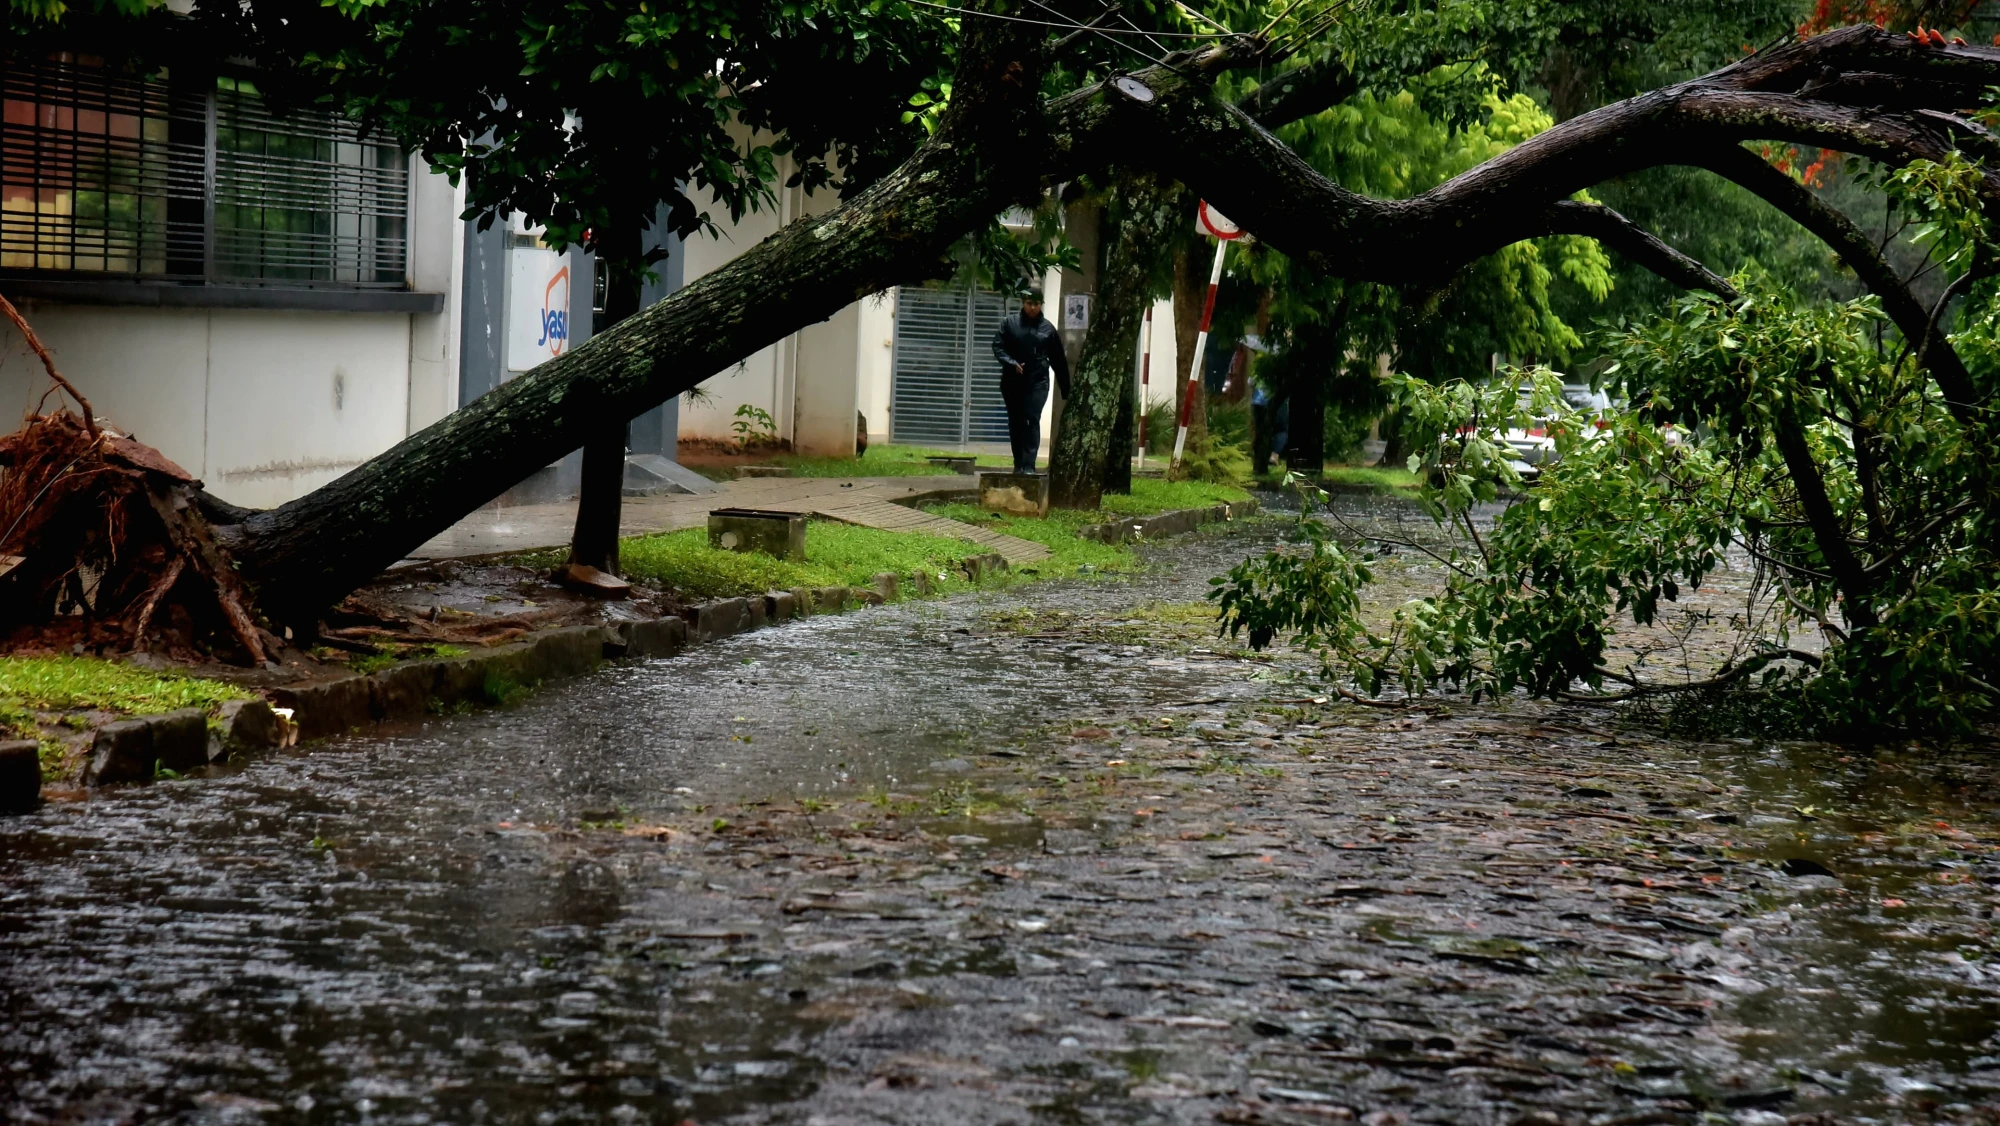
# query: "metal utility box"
{"type": "Point", "coordinates": [782, 534]}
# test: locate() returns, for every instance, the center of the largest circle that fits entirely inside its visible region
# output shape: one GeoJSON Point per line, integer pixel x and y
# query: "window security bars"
{"type": "Point", "coordinates": [105, 173]}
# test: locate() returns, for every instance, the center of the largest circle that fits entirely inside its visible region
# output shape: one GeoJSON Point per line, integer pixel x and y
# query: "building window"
{"type": "Point", "coordinates": [104, 172]}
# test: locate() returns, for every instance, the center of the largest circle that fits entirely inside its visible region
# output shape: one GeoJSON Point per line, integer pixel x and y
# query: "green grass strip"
{"type": "Point", "coordinates": [846, 555]}
{"type": "Point", "coordinates": [836, 555]}
{"type": "Point", "coordinates": [50, 684]}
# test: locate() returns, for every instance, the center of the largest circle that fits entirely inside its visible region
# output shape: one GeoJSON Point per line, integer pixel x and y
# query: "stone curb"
{"type": "Point", "coordinates": [1140, 529]}
{"type": "Point", "coordinates": [20, 776]}
{"type": "Point", "coordinates": [418, 688]}
{"type": "Point", "coordinates": [977, 567]}
{"type": "Point", "coordinates": [137, 749]}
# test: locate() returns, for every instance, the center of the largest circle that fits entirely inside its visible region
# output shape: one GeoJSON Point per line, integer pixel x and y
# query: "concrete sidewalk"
{"type": "Point", "coordinates": [877, 502]}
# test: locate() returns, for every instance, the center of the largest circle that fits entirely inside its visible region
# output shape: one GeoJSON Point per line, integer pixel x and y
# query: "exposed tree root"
{"type": "Point", "coordinates": [113, 547]}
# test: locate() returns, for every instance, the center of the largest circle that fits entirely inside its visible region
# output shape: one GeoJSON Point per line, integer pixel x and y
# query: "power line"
{"type": "Point", "coordinates": [1072, 26]}
{"type": "Point", "coordinates": [1093, 29]}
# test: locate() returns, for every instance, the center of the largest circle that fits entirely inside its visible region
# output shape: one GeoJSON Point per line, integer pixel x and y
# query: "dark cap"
{"type": "Point", "coordinates": [1034, 295]}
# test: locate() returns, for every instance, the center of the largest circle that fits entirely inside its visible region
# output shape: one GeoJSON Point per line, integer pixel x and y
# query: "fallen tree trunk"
{"type": "Point", "coordinates": [305, 555]}
{"type": "Point", "coordinates": [1858, 90]}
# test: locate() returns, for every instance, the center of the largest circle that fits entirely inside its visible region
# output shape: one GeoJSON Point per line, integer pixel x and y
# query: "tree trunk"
{"type": "Point", "coordinates": [988, 153]}
{"type": "Point", "coordinates": [1125, 428]}
{"type": "Point", "coordinates": [1306, 451]}
{"type": "Point", "coordinates": [1088, 451]}
{"type": "Point", "coordinates": [601, 494]}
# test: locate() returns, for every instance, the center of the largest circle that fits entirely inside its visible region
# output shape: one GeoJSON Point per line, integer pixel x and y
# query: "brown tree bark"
{"type": "Point", "coordinates": [1857, 90]}
{"type": "Point", "coordinates": [601, 493]}
{"type": "Point", "coordinates": [1086, 452]}
{"type": "Point", "coordinates": [1859, 252]}
{"type": "Point", "coordinates": [1191, 268]}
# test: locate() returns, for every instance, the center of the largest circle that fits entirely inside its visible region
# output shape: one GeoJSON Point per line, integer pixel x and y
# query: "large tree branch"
{"type": "Point", "coordinates": [1171, 119]}
{"type": "Point", "coordinates": [1570, 217]}
{"type": "Point", "coordinates": [1824, 520]}
{"type": "Point", "coordinates": [306, 554]}
{"type": "Point", "coordinates": [1798, 202]}
{"type": "Point", "coordinates": [1301, 92]}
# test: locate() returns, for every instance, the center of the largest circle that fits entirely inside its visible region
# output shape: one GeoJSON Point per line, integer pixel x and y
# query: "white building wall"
{"type": "Point", "coordinates": [145, 370]}
{"type": "Point", "coordinates": [763, 379]}
{"type": "Point", "coordinates": [437, 257]}
{"type": "Point", "coordinates": [1160, 386]}
{"type": "Point", "coordinates": [263, 405]}
{"type": "Point", "coordinates": [297, 399]}
{"type": "Point", "coordinates": [813, 382]}
{"type": "Point", "coordinates": [876, 363]}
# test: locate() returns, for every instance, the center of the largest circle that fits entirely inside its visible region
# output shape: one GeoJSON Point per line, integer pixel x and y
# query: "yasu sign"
{"type": "Point", "coordinates": [538, 313]}
{"type": "Point", "coordinates": [555, 314]}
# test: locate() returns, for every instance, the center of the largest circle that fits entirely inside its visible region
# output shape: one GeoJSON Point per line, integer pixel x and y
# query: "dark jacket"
{"type": "Point", "coordinates": [1036, 348]}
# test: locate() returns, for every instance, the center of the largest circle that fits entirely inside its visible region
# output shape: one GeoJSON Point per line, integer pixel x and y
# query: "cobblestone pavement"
{"type": "Point", "coordinates": [1057, 855]}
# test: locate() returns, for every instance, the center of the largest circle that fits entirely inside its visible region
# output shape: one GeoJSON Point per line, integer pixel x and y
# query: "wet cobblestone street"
{"type": "Point", "coordinates": [1051, 854]}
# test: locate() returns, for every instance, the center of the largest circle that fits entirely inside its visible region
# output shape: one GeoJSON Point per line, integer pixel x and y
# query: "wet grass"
{"type": "Point", "coordinates": [836, 555]}
{"type": "Point", "coordinates": [62, 684]}
{"type": "Point", "coordinates": [1150, 495]}
{"type": "Point", "coordinates": [1369, 478]}
{"type": "Point", "coordinates": [399, 653]}
{"type": "Point", "coordinates": [1070, 554]}
{"type": "Point", "coordinates": [879, 461]}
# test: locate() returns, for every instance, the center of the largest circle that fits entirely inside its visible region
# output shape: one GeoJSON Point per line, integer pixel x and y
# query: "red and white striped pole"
{"type": "Point", "coordinates": [1145, 378]}
{"type": "Point", "coordinates": [1212, 223]}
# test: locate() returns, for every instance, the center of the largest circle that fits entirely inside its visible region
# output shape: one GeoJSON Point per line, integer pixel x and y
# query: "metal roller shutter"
{"type": "Point", "coordinates": [945, 389]}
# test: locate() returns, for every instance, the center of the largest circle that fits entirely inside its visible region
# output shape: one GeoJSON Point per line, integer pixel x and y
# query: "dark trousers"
{"type": "Point", "coordinates": [1025, 396]}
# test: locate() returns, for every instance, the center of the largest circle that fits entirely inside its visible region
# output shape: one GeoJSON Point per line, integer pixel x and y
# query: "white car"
{"type": "Point", "coordinates": [1534, 446]}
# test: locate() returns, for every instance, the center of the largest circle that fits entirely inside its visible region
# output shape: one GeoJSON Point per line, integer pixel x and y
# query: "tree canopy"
{"type": "Point", "coordinates": [1841, 446]}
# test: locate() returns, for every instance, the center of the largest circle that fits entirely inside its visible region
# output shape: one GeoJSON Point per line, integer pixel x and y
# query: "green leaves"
{"type": "Point", "coordinates": [599, 121]}
{"type": "Point", "coordinates": [1642, 502]}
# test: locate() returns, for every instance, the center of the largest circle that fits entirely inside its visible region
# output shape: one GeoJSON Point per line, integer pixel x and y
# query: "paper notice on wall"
{"type": "Point", "coordinates": [1076, 311]}
{"type": "Point", "coordinates": [537, 306]}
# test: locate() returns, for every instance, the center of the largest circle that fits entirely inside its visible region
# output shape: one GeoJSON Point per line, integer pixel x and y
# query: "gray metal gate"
{"type": "Point", "coordinates": [945, 388]}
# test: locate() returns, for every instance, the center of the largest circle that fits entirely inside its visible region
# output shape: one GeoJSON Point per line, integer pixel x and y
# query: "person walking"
{"type": "Point", "coordinates": [1028, 348]}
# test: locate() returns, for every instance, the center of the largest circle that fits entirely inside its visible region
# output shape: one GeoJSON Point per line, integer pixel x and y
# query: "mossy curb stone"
{"type": "Point", "coordinates": [243, 726]}
{"type": "Point", "coordinates": [134, 750]}
{"type": "Point", "coordinates": [20, 776]}
{"type": "Point", "coordinates": [1163, 524]}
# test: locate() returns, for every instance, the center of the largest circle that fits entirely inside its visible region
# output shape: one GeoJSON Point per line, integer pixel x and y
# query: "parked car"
{"type": "Point", "coordinates": [1534, 446]}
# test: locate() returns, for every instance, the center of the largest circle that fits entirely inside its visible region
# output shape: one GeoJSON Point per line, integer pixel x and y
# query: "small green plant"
{"type": "Point", "coordinates": [163, 772]}
{"type": "Point", "coordinates": [754, 426]}
{"type": "Point", "coordinates": [502, 690]}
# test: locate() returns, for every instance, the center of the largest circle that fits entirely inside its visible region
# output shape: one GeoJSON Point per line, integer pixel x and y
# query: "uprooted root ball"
{"type": "Point", "coordinates": [103, 544]}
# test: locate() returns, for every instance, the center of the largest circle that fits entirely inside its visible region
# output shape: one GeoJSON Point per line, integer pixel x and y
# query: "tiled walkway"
{"type": "Point", "coordinates": [874, 502]}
